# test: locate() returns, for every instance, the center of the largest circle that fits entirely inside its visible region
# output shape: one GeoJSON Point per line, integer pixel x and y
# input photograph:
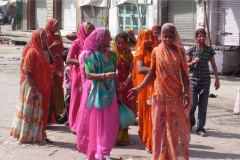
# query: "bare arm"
{"type": "Point", "coordinates": [21, 64]}
{"type": "Point", "coordinates": [95, 76]}
{"type": "Point", "coordinates": [185, 83]}
{"type": "Point", "coordinates": [191, 63]}
{"type": "Point", "coordinates": [214, 66]}
{"type": "Point", "coordinates": [141, 68]}
{"type": "Point", "coordinates": [72, 61]}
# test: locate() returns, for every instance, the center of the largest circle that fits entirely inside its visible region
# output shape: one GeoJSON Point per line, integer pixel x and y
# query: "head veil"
{"type": "Point", "coordinates": [145, 35]}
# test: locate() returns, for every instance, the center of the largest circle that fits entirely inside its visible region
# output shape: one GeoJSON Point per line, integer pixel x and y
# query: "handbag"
{"type": "Point", "coordinates": [237, 104]}
{"type": "Point", "coordinates": [127, 117]}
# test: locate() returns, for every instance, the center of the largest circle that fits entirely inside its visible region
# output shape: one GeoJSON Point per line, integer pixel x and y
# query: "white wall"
{"type": "Point", "coordinates": [219, 61]}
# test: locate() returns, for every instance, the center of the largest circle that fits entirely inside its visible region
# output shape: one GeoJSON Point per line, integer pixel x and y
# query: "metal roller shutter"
{"type": "Point", "coordinates": [68, 15]}
{"type": "Point", "coordinates": [183, 15]}
{"type": "Point", "coordinates": [232, 22]}
{"type": "Point", "coordinates": [40, 14]}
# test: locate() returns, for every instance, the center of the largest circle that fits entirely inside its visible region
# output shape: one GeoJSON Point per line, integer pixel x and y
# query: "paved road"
{"type": "Point", "coordinates": [223, 128]}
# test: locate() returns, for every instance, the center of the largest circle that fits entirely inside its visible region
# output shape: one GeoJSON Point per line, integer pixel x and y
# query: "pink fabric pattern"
{"type": "Point", "coordinates": [76, 89]}
{"type": "Point", "coordinates": [97, 129]}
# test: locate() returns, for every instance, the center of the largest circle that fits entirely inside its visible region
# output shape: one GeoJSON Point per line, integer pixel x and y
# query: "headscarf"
{"type": "Point", "coordinates": [145, 35]}
{"type": "Point", "coordinates": [164, 53]}
{"type": "Point", "coordinates": [90, 46]}
{"type": "Point", "coordinates": [131, 34]}
{"type": "Point", "coordinates": [127, 56]}
{"type": "Point", "coordinates": [47, 48]}
{"type": "Point", "coordinates": [153, 27]}
{"type": "Point", "coordinates": [82, 34]}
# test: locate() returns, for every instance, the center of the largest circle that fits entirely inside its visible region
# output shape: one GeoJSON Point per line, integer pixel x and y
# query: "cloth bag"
{"type": "Point", "coordinates": [237, 104]}
{"type": "Point", "coordinates": [127, 117]}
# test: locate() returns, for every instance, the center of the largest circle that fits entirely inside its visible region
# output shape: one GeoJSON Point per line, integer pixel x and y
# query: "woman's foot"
{"type": "Point", "coordinates": [148, 151]}
{"type": "Point", "coordinates": [203, 134]}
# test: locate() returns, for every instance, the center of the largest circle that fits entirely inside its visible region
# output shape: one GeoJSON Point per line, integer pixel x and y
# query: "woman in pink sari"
{"type": "Point", "coordinates": [76, 84]}
{"type": "Point", "coordinates": [98, 119]}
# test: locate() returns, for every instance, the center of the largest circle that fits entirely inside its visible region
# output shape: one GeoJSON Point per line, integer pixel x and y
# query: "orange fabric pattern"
{"type": "Point", "coordinates": [170, 119]}
{"type": "Point", "coordinates": [145, 97]}
{"type": "Point", "coordinates": [58, 66]}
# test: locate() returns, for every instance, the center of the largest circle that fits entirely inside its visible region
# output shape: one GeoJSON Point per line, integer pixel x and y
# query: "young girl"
{"type": "Point", "coordinates": [124, 73]}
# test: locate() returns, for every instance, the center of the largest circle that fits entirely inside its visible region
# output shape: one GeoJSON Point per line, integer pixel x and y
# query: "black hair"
{"type": "Point", "coordinates": [64, 55]}
{"type": "Point", "coordinates": [121, 35]}
{"type": "Point", "coordinates": [169, 28]}
{"type": "Point", "coordinates": [158, 27]}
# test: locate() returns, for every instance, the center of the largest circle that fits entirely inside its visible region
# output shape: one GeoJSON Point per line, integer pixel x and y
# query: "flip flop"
{"type": "Point", "coordinates": [212, 95]}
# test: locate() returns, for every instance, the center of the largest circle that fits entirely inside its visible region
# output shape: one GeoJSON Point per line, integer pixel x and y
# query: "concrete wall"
{"type": "Point", "coordinates": [25, 17]}
{"type": "Point", "coordinates": [230, 62]}
{"type": "Point", "coordinates": [78, 17]}
{"type": "Point", "coordinates": [219, 61]}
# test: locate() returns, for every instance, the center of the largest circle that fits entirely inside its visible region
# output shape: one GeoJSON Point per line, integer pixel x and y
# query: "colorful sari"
{"type": "Point", "coordinates": [170, 119]}
{"type": "Point", "coordinates": [97, 129]}
{"type": "Point", "coordinates": [145, 97]}
{"type": "Point", "coordinates": [76, 84]}
{"type": "Point", "coordinates": [58, 67]}
{"type": "Point", "coordinates": [30, 121]}
{"type": "Point", "coordinates": [123, 70]}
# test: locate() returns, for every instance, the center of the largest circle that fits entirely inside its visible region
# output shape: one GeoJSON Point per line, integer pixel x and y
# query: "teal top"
{"type": "Point", "coordinates": [113, 60]}
{"type": "Point", "coordinates": [102, 91]}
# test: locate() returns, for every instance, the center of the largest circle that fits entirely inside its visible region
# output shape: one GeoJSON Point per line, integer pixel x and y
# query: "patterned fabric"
{"type": "Point", "coordinates": [199, 73]}
{"type": "Point", "coordinates": [153, 27]}
{"type": "Point", "coordinates": [30, 121]}
{"type": "Point", "coordinates": [145, 35]}
{"type": "Point", "coordinates": [127, 55]}
{"type": "Point", "coordinates": [170, 119]}
{"type": "Point", "coordinates": [58, 66]}
{"type": "Point", "coordinates": [103, 90]}
{"type": "Point", "coordinates": [131, 34]}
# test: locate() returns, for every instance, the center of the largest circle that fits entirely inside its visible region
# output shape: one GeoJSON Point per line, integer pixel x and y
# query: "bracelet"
{"type": "Point", "coordinates": [186, 95]}
{"type": "Point", "coordinates": [33, 90]}
{"type": "Point", "coordinates": [125, 83]}
{"type": "Point", "coordinates": [139, 88]}
{"type": "Point", "coordinates": [104, 77]}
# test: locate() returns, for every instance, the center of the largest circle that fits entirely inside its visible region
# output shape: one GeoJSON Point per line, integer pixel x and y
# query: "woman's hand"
{"type": "Point", "coordinates": [55, 44]}
{"type": "Point", "coordinates": [35, 95]}
{"type": "Point", "coordinates": [122, 86]}
{"type": "Point", "coordinates": [196, 60]}
{"type": "Point", "coordinates": [133, 93]}
{"type": "Point", "coordinates": [186, 101]}
{"type": "Point", "coordinates": [217, 84]}
{"type": "Point", "coordinates": [110, 75]}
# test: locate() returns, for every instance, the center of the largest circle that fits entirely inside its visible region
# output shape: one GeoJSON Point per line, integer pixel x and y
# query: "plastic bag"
{"type": "Point", "coordinates": [237, 104]}
{"type": "Point", "coordinates": [127, 117]}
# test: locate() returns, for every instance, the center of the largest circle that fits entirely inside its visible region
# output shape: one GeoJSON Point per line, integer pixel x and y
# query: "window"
{"type": "Point", "coordinates": [129, 17]}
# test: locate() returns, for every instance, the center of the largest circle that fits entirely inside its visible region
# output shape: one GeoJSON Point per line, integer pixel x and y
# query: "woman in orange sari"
{"type": "Point", "coordinates": [30, 121]}
{"type": "Point", "coordinates": [56, 46]}
{"type": "Point", "coordinates": [170, 104]}
{"type": "Point", "coordinates": [142, 60]}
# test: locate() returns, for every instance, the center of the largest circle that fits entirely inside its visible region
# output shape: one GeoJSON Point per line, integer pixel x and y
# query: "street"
{"type": "Point", "coordinates": [223, 128]}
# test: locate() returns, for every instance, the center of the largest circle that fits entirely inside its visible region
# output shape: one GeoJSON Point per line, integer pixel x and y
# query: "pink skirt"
{"type": "Point", "coordinates": [97, 129]}
{"type": "Point", "coordinates": [76, 95]}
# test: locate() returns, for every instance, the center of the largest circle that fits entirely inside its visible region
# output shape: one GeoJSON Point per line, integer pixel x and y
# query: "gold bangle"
{"type": "Point", "coordinates": [186, 95]}
{"type": "Point", "coordinates": [139, 88]}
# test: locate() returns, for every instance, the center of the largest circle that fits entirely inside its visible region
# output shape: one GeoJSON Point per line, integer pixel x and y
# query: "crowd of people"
{"type": "Point", "coordinates": [5, 19]}
{"type": "Point", "coordinates": [160, 83]}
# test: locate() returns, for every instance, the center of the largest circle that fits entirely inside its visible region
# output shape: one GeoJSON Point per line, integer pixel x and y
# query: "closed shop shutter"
{"type": "Point", "coordinates": [100, 13]}
{"type": "Point", "coordinates": [68, 15]}
{"type": "Point", "coordinates": [40, 14]}
{"type": "Point", "coordinates": [183, 15]}
{"type": "Point", "coordinates": [232, 22]}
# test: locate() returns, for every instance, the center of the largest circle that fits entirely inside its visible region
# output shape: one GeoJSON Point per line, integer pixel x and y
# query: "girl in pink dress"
{"type": "Point", "coordinates": [76, 84]}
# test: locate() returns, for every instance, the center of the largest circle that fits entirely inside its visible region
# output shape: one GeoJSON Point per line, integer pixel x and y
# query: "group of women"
{"type": "Point", "coordinates": [101, 79]}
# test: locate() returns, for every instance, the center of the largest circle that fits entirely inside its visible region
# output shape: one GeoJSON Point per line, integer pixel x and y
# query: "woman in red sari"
{"type": "Point", "coordinates": [142, 61]}
{"type": "Point", "coordinates": [30, 121]}
{"type": "Point", "coordinates": [56, 46]}
{"type": "Point", "coordinates": [124, 73]}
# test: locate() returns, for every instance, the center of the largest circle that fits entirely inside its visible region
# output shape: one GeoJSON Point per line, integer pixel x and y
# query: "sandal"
{"type": "Point", "coordinates": [212, 95]}
{"type": "Point", "coordinates": [45, 140]}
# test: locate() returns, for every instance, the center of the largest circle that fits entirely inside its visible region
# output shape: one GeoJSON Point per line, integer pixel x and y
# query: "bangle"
{"type": "Point", "coordinates": [186, 95]}
{"type": "Point", "coordinates": [33, 90]}
{"type": "Point", "coordinates": [139, 88]}
{"type": "Point", "coordinates": [125, 83]}
{"type": "Point", "coordinates": [104, 77]}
